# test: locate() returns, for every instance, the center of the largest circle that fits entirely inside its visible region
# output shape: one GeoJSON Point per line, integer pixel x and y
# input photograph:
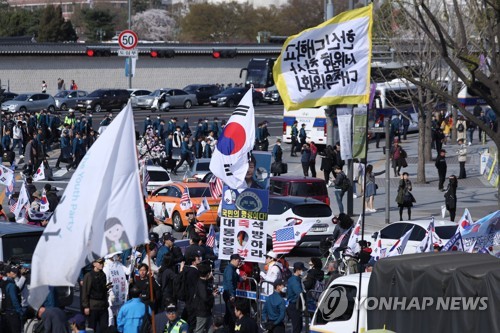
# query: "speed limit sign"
{"type": "Point", "coordinates": [128, 39]}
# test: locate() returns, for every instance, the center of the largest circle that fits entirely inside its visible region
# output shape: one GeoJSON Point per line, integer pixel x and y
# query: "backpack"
{"type": "Point", "coordinates": [146, 325]}
{"type": "Point", "coordinates": [285, 273]}
{"type": "Point", "coordinates": [460, 127]}
{"type": "Point", "coordinates": [346, 184]}
{"type": "Point", "coordinates": [179, 286]}
{"type": "Point", "coordinates": [319, 287]}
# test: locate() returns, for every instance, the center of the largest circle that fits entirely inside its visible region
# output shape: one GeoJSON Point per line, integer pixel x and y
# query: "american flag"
{"type": "Point", "coordinates": [211, 236]}
{"type": "Point", "coordinates": [12, 207]}
{"type": "Point", "coordinates": [186, 200]}
{"type": "Point", "coordinates": [283, 240]}
{"type": "Point", "coordinates": [215, 187]}
{"type": "Point", "coordinates": [244, 223]}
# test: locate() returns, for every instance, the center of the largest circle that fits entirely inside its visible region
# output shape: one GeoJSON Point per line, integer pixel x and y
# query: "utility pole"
{"type": "Point", "coordinates": [331, 111]}
{"type": "Point", "coordinates": [387, 150]}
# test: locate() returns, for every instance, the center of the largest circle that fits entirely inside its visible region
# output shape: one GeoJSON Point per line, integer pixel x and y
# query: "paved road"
{"type": "Point", "coordinates": [473, 193]}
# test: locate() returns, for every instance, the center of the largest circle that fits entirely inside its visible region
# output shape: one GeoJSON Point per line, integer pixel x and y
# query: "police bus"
{"type": "Point", "coordinates": [313, 118]}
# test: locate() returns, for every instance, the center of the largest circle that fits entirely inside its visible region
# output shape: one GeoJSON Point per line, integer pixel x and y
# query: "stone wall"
{"type": "Point", "coordinates": [25, 73]}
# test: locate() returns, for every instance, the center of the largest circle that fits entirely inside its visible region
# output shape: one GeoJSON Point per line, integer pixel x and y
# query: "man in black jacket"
{"type": "Point", "coordinates": [50, 193]}
{"type": "Point", "coordinates": [204, 298]}
{"type": "Point", "coordinates": [94, 296]}
{"type": "Point", "coordinates": [192, 277]}
{"type": "Point", "coordinates": [441, 167]}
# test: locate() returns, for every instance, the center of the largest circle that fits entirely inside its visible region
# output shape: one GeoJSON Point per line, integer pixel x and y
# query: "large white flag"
{"type": "Point", "coordinates": [6, 175]}
{"type": "Point", "coordinates": [230, 158]}
{"type": "Point", "coordinates": [328, 64]}
{"type": "Point", "coordinates": [21, 203]}
{"type": "Point", "coordinates": [399, 248]}
{"type": "Point", "coordinates": [91, 219]}
{"type": "Point", "coordinates": [40, 173]}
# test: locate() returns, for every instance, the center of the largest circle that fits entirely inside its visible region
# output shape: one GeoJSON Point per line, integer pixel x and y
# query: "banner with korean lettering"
{"type": "Point", "coordinates": [242, 228]}
{"type": "Point", "coordinates": [328, 64]}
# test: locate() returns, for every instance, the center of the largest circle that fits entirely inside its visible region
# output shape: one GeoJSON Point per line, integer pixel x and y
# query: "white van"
{"type": "Point", "coordinates": [315, 120]}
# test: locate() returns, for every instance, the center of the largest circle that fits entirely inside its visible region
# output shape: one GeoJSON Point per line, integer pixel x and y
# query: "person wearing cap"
{"type": "Point", "coordinates": [185, 127]}
{"type": "Point", "coordinates": [169, 247]}
{"type": "Point", "coordinates": [174, 324]}
{"type": "Point", "coordinates": [77, 323]}
{"type": "Point", "coordinates": [278, 158]}
{"type": "Point", "coordinates": [274, 309]}
{"type": "Point", "coordinates": [76, 152]}
{"type": "Point", "coordinates": [274, 268]}
{"type": "Point", "coordinates": [215, 128]}
{"type": "Point", "coordinates": [94, 297]}
{"type": "Point", "coordinates": [70, 119]}
{"type": "Point", "coordinates": [11, 318]}
{"type": "Point", "coordinates": [294, 289]}
{"type": "Point", "coordinates": [131, 314]}
{"type": "Point", "coordinates": [230, 282]}
{"type": "Point", "coordinates": [172, 123]}
{"type": "Point", "coordinates": [65, 154]}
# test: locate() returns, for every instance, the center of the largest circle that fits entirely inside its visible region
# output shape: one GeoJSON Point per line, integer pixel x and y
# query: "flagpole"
{"type": "Point", "coordinates": [151, 298]}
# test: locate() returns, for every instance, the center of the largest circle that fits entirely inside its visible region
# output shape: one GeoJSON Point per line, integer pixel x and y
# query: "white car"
{"type": "Point", "coordinates": [394, 231]}
{"type": "Point", "coordinates": [158, 177]}
{"type": "Point", "coordinates": [201, 170]}
{"type": "Point", "coordinates": [295, 210]}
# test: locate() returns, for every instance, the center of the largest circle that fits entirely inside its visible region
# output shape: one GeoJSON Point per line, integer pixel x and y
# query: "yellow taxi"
{"type": "Point", "coordinates": [166, 204]}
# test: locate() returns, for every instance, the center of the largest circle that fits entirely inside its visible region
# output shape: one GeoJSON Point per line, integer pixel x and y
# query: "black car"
{"type": "Point", "coordinates": [203, 92]}
{"type": "Point", "coordinates": [232, 96]}
{"type": "Point", "coordinates": [104, 99]}
{"type": "Point", "coordinates": [6, 96]}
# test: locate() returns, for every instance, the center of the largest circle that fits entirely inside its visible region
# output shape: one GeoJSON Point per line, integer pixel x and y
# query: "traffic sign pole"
{"type": "Point", "coordinates": [128, 41]}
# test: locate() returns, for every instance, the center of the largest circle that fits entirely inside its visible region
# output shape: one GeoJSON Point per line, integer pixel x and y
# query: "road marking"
{"type": "Point", "coordinates": [60, 173]}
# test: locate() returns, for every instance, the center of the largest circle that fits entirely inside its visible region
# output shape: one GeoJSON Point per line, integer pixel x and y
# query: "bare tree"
{"type": "Point", "coordinates": [417, 63]}
{"type": "Point", "coordinates": [466, 36]}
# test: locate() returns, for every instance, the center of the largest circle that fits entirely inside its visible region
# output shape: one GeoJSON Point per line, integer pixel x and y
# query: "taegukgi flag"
{"type": "Point", "coordinates": [91, 219]}
{"type": "Point", "coordinates": [230, 158]}
{"type": "Point", "coordinates": [6, 175]}
{"type": "Point", "coordinates": [40, 173]}
{"type": "Point", "coordinates": [328, 64]}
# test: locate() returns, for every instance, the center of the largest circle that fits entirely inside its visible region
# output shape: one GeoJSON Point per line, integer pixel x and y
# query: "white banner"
{"type": "Point", "coordinates": [91, 219]}
{"type": "Point", "coordinates": [344, 118]}
{"type": "Point", "coordinates": [328, 64]}
{"type": "Point", "coordinates": [40, 173]}
{"type": "Point", "coordinates": [116, 274]}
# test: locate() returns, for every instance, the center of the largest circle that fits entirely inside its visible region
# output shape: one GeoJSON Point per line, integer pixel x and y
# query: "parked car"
{"type": "Point", "coordinates": [390, 234]}
{"type": "Point", "coordinates": [307, 187]}
{"type": "Point", "coordinates": [136, 93]}
{"type": "Point", "coordinates": [178, 98]}
{"type": "Point", "coordinates": [232, 96]}
{"type": "Point", "coordinates": [6, 96]}
{"type": "Point", "coordinates": [157, 177]}
{"type": "Point", "coordinates": [104, 99]}
{"type": "Point", "coordinates": [203, 92]}
{"type": "Point", "coordinates": [285, 211]}
{"type": "Point", "coordinates": [30, 102]}
{"type": "Point", "coordinates": [165, 202]}
{"type": "Point", "coordinates": [201, 170]}
{"type": "Point", "coordinates": [145, 101]}
{"type": "Point", "coordinates": [66, 99]}
{"type": "Point", "coordinates": [272, 96]}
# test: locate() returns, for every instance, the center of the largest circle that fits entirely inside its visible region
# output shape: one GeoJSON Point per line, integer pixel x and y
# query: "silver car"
{"type": "Point", "coordinates": [137, 93]}
{"type": "Point", "coordinates": [30, 102]}
{"type": "Point", "coordinates": [146, 101]}
{"type": "Point", "coordinates": [181, 99]}
{"type": "Point", "coordinates": [66, 99]}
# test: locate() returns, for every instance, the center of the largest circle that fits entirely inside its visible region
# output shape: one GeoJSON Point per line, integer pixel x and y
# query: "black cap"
{"type": "Point", "coordinates": [10, 268]}
{"type": "Point", "coordinates": [168, 236]}
{"type": "Point", "coordinates": [236, 256]}
{"type": "Point", "coordinates": [171, 308]}
{"type": "Point", "coordinates": [153, 237]}
{"type": "Point", "coordinates": [299, 265]}
{"type": "Point", "coordinates": [278, 282]}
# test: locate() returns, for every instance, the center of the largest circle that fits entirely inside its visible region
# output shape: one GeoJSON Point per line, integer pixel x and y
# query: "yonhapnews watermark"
{"type": "Point", "coordinates": [336, 302]}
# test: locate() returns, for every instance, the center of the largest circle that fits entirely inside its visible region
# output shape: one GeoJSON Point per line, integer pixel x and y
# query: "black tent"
{"type": "Point", "coordinates": [443, 277]}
